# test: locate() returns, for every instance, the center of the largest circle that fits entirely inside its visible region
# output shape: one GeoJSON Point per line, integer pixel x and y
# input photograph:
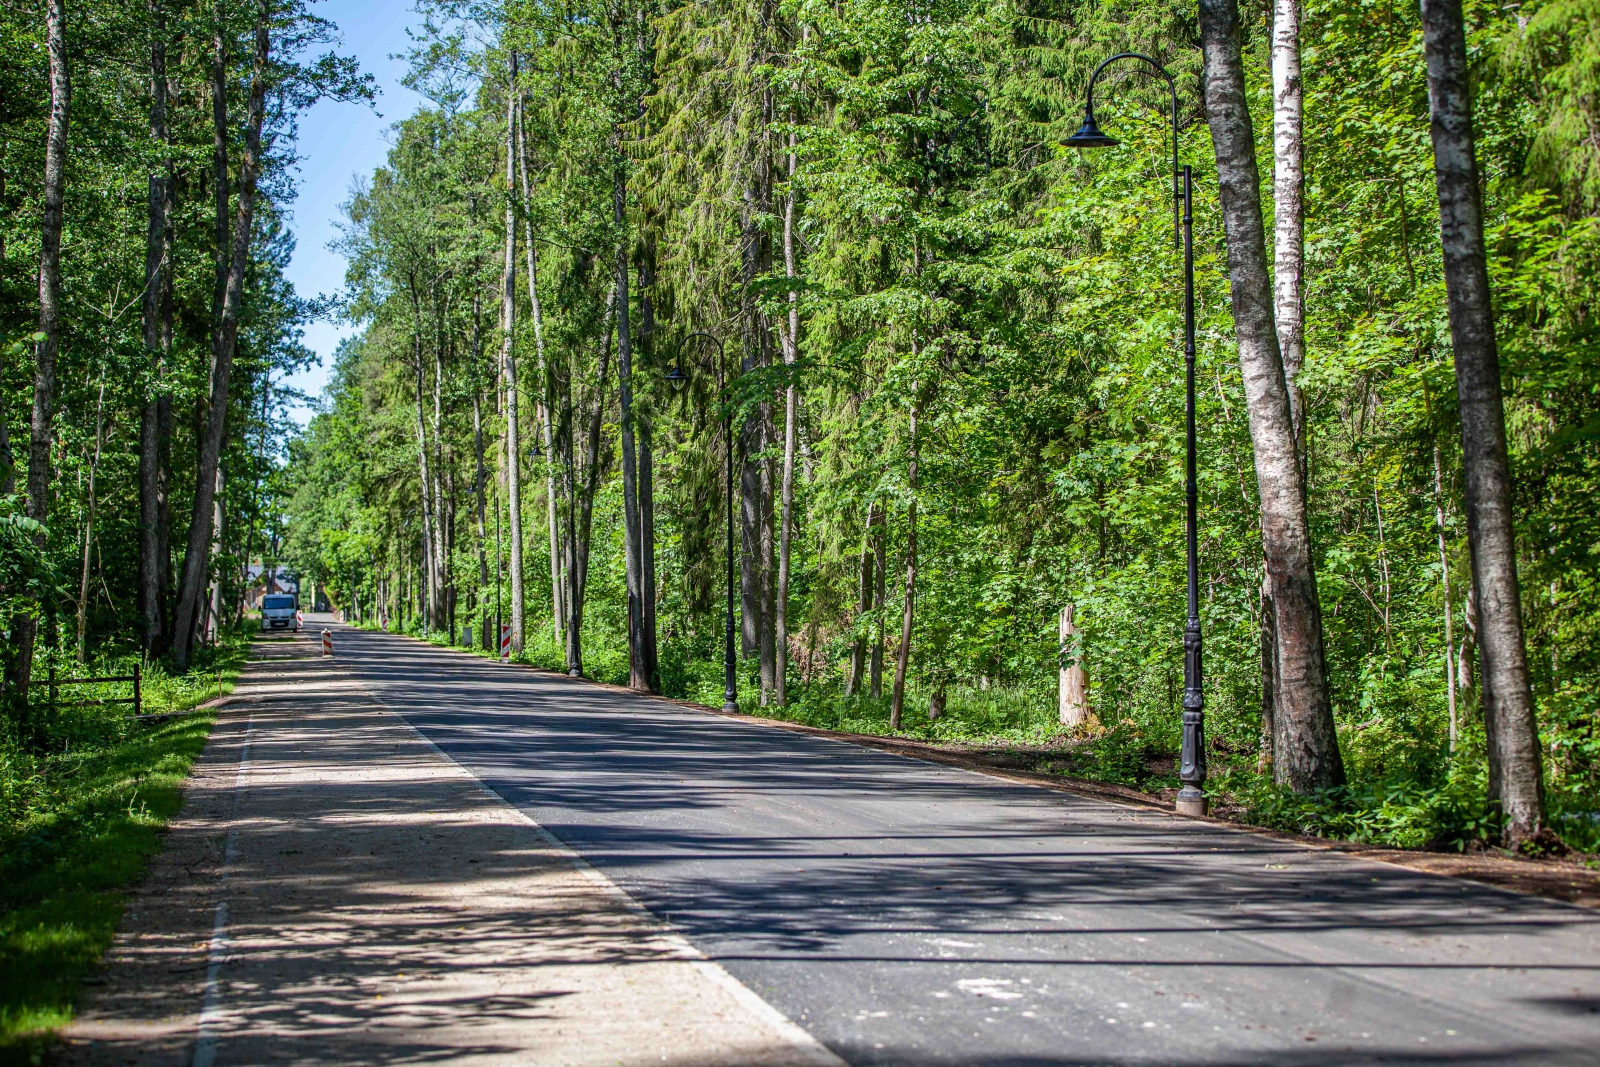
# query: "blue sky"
{"type": "Point", "coordinates": [339, 142]}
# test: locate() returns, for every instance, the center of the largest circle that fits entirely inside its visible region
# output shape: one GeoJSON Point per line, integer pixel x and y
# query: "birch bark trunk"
{"type": "Point", "coordinates": [1074, 681]}
{"type": "Point", "coordinates": [880, 592]}
{"type": "Point", "coordinates": [858, 650]}
{"type": "Point", "coordinates": [1444, 576]}
{"type": "Point", "coordinates": [508, 357]}
{"type": "Point", "coordinates": [424, 484]}
{"type": "Point", "coordinates": [441, 492]}
{"type": "Point", "coordinates": [213, 612]}
{"type": "Point", "coordinates": [1288, 194]}
{"type": "Point", "coordinates": [791, 339]}
{"type": "Point", "coordinates": [1310, 751]}
{"type": "Point", "coordinates": [200, 533]}
{"type": "Point", "coordinates": [638, 674]}
{"type": "Point", "coordinates": [903, 659]}
{"type": "Point", "coordinates": [1516, 778]}
{"type": "Point", "coordinates": [480, 473]}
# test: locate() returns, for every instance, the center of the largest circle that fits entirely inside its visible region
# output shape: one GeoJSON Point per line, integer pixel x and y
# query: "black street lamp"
{"type": "Point", "coordinates": [730, 684]}
{"type": "Point", "coordinates": [1192, 762]}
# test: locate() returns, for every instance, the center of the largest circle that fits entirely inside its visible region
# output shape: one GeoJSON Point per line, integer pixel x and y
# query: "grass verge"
{"type": "Point", "coordinates": [78, 820]}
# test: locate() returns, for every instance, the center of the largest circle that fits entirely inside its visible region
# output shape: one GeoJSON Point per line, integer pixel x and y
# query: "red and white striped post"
{"type": "Point", "coordinates": [299, 620]}
{"type": "Point", "coordinates": [505, 643]}
{"type": "Point", "coordinates": [327, 642]}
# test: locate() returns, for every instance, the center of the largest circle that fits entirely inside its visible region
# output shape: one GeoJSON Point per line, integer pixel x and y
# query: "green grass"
{"type": "Point", "coordinates": [79, 817]}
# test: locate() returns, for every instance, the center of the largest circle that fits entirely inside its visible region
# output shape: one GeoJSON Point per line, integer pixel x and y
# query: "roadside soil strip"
{"type": "Point", "coordinates": [337, 891]}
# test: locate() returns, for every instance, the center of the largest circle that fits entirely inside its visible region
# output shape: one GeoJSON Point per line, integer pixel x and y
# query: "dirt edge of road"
{"type": "Point", "coordinates": [1567, 879]}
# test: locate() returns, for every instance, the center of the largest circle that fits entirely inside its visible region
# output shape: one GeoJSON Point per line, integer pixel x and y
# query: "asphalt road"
{"type": "Point", "coordinates": [909, 913]}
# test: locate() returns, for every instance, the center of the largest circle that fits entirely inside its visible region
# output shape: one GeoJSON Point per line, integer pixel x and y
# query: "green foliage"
{"type": "Point", "coordinates": [83, 803]}
{"type": "Point", "coordinates": [1397, 814]}
{"type": "Point", "coordinates": [1022, 301]}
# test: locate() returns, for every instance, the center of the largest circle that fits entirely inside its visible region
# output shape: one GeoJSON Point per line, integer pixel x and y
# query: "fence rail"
{"type": "Point", "coordinates": [54, 683]}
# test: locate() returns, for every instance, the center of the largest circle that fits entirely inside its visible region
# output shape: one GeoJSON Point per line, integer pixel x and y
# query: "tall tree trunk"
{"type": "Point", "coordinates": [750, 622]}
{"type": "Point", "coordinates": [536, 313]}
{"type": "Point", "coordinates": [791, 343]}
{"type": "Point", "coordinates": [1268, 755]}
{"type": "Point", "coordinates": [440, 564]}
{"type": "Point", "coordinates": [1444, 576]}
{"type": "Point", "coordinates": [582, 522]}
{"type": "Point", "coordinates": [165, 592]}
{"type": "Point", "coordinates": [88, 524]}
{"type": "Point", "coordinates": [755, 483]}
{"type": "Point", "coordinates": [219, 169]}
{"type": "Point", "coordinates": [1311, 750]}
{"type": "Point", "coordinates": [766, 586]}
{"type": "Point", "coordinates": [213, 613]}
{"type": "Point", "coordinates": [573, 620]}
{"type": "Point", "coordinates": [647, 489]}
{"type": "Point", "coordinates": [156, 271]}
{"type": "Point", "coordinates": [858, 650]}
{"type": "Point", "coordinates": [1072, 703]}
{"type": "Point", "coordinates": [1288, 194]}
{"type": "Point", "coordinates": [638, 673]}
{"type": "Point", "coordinates": [880, 593]}
{"type": "Point", "coordinates": [195, 556]}
{"type": "Point", "coordinates": [1516, 779]}
{"type": "Point", "coordinates": [647, 555]}
{"type": "Point", "coordinates": [479, 472]}
{"type": "Point", "coordinates": [42, 428]}
{"type": "Point", "coordinates": [424, 483]}
{"type": "Point", "coordinates": [908, 610]}
{"type": "Point", "coordinates": [508, 356]}
{"type": "Point", "coordinates": [255, 501]}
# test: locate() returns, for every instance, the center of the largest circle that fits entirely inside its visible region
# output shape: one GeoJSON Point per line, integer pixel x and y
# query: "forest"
{"type": "Point", "coordinates": [806, 315]}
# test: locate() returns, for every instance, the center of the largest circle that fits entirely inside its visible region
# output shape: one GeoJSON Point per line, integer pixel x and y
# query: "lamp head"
{"type": "Point", "coordinates": [1089, 135]}
{"type": "Point", "coordinates": [535, 452]}
{"type": "Point", "coordinates": [676, 375]}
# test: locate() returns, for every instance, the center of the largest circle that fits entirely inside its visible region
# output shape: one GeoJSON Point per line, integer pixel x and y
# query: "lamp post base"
{"type": "Point", "coordinates": [573, 672]}
{"type": "Point", "coordinates": [731, 707]}
{"type": "Point", "coordinates": [1191, 803]}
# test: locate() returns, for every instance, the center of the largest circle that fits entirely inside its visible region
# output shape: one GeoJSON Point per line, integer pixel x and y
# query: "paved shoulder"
{"type": "Point", "coordinates": [338, 891]}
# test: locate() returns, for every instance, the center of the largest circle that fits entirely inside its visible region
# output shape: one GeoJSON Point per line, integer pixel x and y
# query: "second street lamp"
{"type": "Point", "coordinates": [1192, 760]}
{"type": "Point", "coordinates": [730, 684]}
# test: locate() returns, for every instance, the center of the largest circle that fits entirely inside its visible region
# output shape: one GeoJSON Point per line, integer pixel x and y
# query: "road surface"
{"type": "Point", "coordinates": [903, 912]}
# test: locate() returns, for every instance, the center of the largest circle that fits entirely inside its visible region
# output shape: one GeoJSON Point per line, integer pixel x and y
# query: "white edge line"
{"type": "Point", "coordinates": [747, 998]}
{"type": "Point", "coordinates": [205, 1045]}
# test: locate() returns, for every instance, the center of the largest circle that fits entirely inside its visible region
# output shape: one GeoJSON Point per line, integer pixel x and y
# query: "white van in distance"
{"type": "Point", "coordinates": [278, 612]}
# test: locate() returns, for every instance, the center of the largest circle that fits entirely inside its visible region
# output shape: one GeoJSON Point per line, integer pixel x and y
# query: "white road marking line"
{"type": "Point", "coordinates": [792, 1033]}
{"type": "Point", "coordinates": [205, 1046]}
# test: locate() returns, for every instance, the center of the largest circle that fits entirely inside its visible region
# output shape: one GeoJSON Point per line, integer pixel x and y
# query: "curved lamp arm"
{"type": "Point", "coordinates": [1091, 136]}
{"type": "Point", "coordinates": [714, 339]}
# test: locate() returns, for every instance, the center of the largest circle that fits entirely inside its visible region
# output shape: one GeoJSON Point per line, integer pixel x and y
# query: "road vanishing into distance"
{"type": "Point", "coordinates": [903, 912]}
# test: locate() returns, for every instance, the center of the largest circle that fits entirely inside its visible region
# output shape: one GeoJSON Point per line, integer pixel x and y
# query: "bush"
{"type": "Point", "coordinates": [1398, 814]}
{"type": "Point", "coordinates": [84, 795]}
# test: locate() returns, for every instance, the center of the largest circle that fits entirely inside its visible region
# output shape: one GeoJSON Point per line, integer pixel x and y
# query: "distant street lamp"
{"type": "Point", "coordinates": [1192, 762]}
{"type": "Point", "coordinates": [730, 685]}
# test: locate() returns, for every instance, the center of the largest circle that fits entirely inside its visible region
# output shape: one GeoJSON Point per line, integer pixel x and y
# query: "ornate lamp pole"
{"type": "Point", "coordinates": [730, 684]}
{"type": "Point", "coordinates": [1192, 763]}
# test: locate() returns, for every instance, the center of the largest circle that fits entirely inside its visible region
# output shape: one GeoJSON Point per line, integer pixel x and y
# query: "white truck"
{"type": "Point", "coordinates": [279, 611]}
